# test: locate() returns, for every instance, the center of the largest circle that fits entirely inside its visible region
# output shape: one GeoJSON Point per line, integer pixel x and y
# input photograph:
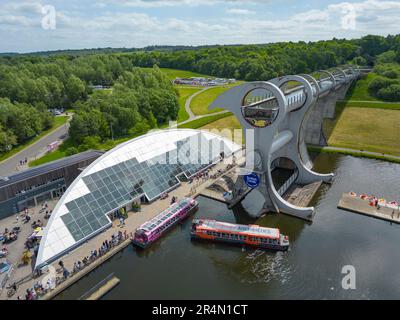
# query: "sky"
{"type": "Point", "coordinates": [28, 26]}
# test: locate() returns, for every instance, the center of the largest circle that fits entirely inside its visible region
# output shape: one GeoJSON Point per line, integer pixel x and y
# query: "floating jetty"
{"type": "Point", "coordinates": [362, 206]}
{"type": "Point", "coordinates": [301, 195]}
{"type": "Point", "coordinates": [104, 289]}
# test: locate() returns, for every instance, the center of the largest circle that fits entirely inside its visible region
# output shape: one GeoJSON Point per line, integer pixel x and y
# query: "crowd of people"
{"type": "Point", "coordinates": [39, 289]}
{"type": "Point", "coordinates": [106, 246]}
{"type": "Point", "coordinates": [209, 173]}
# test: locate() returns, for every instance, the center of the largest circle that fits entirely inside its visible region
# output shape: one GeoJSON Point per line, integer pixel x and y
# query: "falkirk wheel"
{"type": "Point", "coordinates": [277, 116]}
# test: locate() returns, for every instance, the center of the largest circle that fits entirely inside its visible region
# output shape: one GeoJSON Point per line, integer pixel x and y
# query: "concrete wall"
{"type": "Point", "coordinates": [324, 108]}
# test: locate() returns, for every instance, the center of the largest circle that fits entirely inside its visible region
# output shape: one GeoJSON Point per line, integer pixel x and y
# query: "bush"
{"type": "Point", "coordinates": [91, 142]}
{"type": "Point", "coordinates": [379, 83]}
{"type": "Point", "coordinates": [390, 93]}
{"type": "Point", "coordinates": [71, 151]}
{"type": "Point", "coordinates": [392, 74]}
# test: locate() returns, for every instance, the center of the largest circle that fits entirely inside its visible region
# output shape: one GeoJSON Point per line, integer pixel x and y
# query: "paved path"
{"type": "Point", "coordinates": [199, 117]}
{"type": "Point", "coordinates": [192, 116]}
{"type": "Point", "coordinates": [35, 150]}
{"type": "Point", "coordinates": [380, 154]}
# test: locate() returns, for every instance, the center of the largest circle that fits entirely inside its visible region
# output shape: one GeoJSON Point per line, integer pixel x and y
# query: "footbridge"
{"type": "Point", "coordinates": [279, 117]}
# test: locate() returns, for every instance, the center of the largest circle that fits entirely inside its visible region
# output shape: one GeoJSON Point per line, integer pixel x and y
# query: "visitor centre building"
{"type": "Point", "coordinates": [141, 169]}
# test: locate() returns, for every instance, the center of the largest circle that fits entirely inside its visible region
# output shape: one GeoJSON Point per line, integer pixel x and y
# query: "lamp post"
{"type": "Point", "coordinates": [112, 133]}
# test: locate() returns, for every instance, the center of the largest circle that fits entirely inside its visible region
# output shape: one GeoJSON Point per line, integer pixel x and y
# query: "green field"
{"type": "Point", "coordinates": [58, 122]}
{"type": "Point", "coordinates": [359, 91]}
{"type": "Point", "coordinates": [174, 73]}
{"type": "Point", "coordinates": [201, 102]}
{"type": "Point", "coordinates": [198, 123]}
{"type": "Point", "coordinates": [226, 127]}
{"type": "Point", "coordinates": [371, 129]}
{"type": "Point", "coordinates": [370, 104]}
{"type": "Point", "coordinates": [184, 94]}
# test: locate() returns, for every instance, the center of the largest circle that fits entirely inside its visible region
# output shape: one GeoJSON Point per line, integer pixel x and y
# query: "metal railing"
{"type": "Point", "coordinates": [288, 182]}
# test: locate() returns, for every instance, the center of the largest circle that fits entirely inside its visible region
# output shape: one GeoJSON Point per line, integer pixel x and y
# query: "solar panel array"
{"type": "Point", "coordinates": [164, 215]}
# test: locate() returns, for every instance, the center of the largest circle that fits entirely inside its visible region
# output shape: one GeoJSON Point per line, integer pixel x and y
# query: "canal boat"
{"type": "Point", "coordinates": [153, 229]}
{"type": "Point", "coordinates": [251, 235]}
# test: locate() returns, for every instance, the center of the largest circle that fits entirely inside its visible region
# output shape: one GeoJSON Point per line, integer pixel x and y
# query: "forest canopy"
{"type": "Point", "coordinates": [138, 99]}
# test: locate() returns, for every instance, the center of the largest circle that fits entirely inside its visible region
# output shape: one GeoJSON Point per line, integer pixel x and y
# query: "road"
{"type": "Point", "coordinates": [35, 150]}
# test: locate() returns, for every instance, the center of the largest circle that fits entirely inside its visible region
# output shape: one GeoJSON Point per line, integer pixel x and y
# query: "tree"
{"type": "Point", "coordinates": [75, 90]}
{"type": "Point", "coordinates": [71, 151]}
{"type": "Point", "coordinates": [379, 83]}
{"type": "Point", "coordinates": [390, 93]}
{"type": "Point", "coordinates": [7, 139]}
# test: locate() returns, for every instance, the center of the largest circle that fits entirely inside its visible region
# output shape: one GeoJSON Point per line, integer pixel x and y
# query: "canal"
{"type": "Point", "coordinates": [176, 268]}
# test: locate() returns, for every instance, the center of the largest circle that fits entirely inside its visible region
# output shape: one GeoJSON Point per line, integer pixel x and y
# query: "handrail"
{"type": "Point", "coordinates": [288, 182]}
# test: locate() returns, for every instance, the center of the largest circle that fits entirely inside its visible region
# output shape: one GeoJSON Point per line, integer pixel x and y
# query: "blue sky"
{"type": "Point", "coordinates": [139, 23]}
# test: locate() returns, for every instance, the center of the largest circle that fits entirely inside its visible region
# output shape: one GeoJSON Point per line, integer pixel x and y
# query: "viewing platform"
{"type": "Point", "coordinates": [362, 206]}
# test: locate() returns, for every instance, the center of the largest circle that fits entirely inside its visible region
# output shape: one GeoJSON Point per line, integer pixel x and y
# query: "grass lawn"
{"type": "Point", "coordinates": [370, 104]}
{"type": "Point", "coordinates": [200, 103]}
{"type": "Point", "coordinates": [370, 129]}
{"type": "Point", "coordinates": [174, 73]}
{"type": "Point", "coordinates": [58, 122]}
{"type": "Point", "coordinates": [184, 94]}
{"type": "Point", "coordinates": [198, 123]}
{"type": "Point", "coordinates": [359, 91]}
{"type": "Point", "coordinates": [226, 127]}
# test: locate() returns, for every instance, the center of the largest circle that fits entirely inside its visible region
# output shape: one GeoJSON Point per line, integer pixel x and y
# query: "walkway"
{"type": "Point", "coordinates": [192, 116]}
{"type": "Point", "coordinates": [33, 151]}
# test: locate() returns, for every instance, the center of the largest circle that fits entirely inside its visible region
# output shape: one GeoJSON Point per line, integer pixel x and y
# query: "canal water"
{"type": "Point", "coordinates": [177, 268]}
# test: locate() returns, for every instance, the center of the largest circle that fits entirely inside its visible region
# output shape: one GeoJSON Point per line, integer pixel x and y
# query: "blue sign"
{"type": "Point", "coordinates": [252, 180]}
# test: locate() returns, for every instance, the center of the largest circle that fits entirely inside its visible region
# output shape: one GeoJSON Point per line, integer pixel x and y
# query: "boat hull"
{"type": "Point", "coordinates": [194, 236]}
{"type": "Point", "coordinates": [154, 239]}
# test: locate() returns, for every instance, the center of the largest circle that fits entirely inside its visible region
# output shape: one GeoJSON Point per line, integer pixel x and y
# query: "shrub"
{"type": "Point", "coordinates": [71, 151]}
{"type": "Point", "coordinates": [390, 93]}
{"type": "Point", "coordinates": [392, 74]}
{"type": "Point", "coordinates": [379, 83]}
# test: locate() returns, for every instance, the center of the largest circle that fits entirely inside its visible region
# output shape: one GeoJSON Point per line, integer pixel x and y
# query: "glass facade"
{"type": "Point", "coordinates": [147, 166]}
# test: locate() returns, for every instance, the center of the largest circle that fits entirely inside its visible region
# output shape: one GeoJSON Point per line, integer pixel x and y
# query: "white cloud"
{"type": "Point", "coordinates": [174, 3]}
{"type": "Point", "coordinates": [78, 27]}
{"type": "Point", "coordinates": [240, 11]}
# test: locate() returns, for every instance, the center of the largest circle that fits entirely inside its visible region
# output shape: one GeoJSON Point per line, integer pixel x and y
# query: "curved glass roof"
{"type": "Point", "coordinates": [146, 166]}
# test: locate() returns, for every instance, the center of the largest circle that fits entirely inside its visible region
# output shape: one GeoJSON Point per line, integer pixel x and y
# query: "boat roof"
{"type": "Point", "coordinates": [242, 228]}
{"type": "Point", "coordinates": [164, 215]}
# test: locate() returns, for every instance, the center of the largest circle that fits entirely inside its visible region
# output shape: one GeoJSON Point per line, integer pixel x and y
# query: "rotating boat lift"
{"type": "Point", "coordinates": [279, 117]}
